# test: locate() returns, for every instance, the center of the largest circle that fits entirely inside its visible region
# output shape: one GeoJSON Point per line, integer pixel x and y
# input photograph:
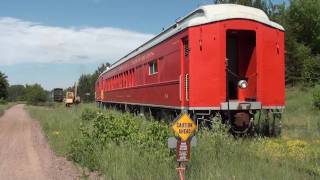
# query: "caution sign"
{"type": "Point", "coordinates": [184, 127]}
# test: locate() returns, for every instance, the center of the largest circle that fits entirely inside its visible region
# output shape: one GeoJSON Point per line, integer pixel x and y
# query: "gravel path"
{"type": "Point", "coordinates": [24, 152]}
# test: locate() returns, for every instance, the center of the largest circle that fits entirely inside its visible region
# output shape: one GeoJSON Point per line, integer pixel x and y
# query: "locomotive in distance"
{"type": "Point", "coordinates": [224, 61]}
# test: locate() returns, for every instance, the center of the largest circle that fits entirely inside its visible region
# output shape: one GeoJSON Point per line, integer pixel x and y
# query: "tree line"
{"type": "Point", "coordinates": [86, 83]}
{"type": "Point", "coordinates": [32, 94]}
{"type": "Point", "coordinates": [35, 94]}
{"type": "Point", "coordinates": [300, 18]}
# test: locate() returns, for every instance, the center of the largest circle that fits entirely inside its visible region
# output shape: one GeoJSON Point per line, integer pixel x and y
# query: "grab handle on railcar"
{"type": "Point", "coordinates": [180, 98]}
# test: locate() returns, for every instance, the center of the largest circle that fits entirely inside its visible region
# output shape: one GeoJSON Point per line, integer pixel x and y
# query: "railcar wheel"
{"type": "Point", "coordinates": [241, 122]}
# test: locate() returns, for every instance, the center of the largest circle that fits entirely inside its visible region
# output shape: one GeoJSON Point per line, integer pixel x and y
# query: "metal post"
{"type": "Point", "coordinates": [181, 170]}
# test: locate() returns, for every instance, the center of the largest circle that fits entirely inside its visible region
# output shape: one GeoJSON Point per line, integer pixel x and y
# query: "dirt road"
{"type": "Point", "coordinates": [24, 152]}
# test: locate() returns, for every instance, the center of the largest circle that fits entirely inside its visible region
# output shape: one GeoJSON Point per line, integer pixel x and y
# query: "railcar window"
{"type": "Point", "coordinates": [186, 48]}
{"type": "Point", "coordinates": [153, 67]}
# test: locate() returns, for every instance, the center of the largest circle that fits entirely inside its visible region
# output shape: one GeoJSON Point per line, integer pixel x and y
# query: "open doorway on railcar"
{"type": "Point", "coordinates": [241, 63]}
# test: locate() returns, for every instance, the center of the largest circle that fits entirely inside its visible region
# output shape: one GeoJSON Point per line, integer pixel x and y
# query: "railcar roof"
{"type": "Point", "coordinates": [202, 15]}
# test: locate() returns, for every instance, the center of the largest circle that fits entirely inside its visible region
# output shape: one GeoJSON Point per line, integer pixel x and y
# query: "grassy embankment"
{"type": "Point", "coordinates": [3, 107]}
{"type": "Point", "coordinates": [103, 142]}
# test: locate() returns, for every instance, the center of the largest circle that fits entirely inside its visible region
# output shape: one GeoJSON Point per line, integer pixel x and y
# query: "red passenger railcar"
{"type": "Point", "coordinates": [219, 60]}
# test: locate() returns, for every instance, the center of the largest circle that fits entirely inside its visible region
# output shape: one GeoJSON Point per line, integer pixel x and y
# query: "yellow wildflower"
{"type": "Point", "coordinates": [297, 149]}
{"type": "Point", "coordinates": [272, 148]}
{"type": "Point", "coordinates": [56, 133]}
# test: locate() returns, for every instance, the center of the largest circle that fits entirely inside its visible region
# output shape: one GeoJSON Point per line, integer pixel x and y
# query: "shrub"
{"type": "Point", "coordinates": [311, 70]}
{"type": "Point", "coordinates": [102, 130]}
{"type": "Point", "coordinates": [88, 115]}
{"type": "Point", "coordinates": [3, 86]}
{"type": "Point", "coordinates": [16, 93]}
{"type": "Point", "coordinates": [35, 94]}
{"type": "Point", "coordinates": [3, 101]}
{"type": "Point", "coordinates": [316, 97]}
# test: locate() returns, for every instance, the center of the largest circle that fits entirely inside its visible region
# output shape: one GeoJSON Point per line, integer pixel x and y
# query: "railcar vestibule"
{"type": "Point", "coordinates": [242, 65]}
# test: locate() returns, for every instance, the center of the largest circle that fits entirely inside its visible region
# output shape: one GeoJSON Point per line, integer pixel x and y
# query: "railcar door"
{"type": "Point", "coordinates": [232, 66]}
{"type": "Point", "coordinates": [241, 65]}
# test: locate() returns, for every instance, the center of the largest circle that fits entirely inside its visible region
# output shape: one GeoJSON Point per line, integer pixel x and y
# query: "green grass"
{"type": "Point", "coordinates": [296, 155]}
{"type": "Point", "coordinates": [301, 119]}
{"type": "Point", "coordinates": [3, 107]}
{"type": "Point", "coordinates": [60, 124]}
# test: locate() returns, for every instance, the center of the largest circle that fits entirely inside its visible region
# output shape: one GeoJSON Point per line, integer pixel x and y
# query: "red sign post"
{"type": "Point", "coordinates": [183, 151]}
{"type": "Point", "coordinates": [184, 128]}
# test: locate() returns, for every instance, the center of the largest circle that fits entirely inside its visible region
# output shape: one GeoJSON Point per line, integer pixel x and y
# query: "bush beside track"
{"type": "Point", "coordinates": [124, 146]}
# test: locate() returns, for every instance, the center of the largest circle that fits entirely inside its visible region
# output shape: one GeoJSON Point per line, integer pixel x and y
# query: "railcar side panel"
{"type": "Point", "coordinates": [206, 66]}
{"type": "Point", "coordinates": [161, 88]}
{"type": "Point", "coordinates": [272, 86]}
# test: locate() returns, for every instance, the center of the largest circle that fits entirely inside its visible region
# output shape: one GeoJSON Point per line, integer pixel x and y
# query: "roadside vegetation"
{"type": "Point", "coordinates": [124, 146]}
{"type": "Point", "coordinates": [3, 93]}
{"type": "Point", "coordinates": [302, 116]}
{"type": "Point", "coordinates": [31, 94]}
{"type": "Point", "coordinates": [3, 106]}
{"type": "Point", "coordinates": [316, 97]}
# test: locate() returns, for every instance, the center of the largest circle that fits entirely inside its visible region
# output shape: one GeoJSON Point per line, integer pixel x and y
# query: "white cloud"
{"type": "Point", "coordinates": [29, 42]}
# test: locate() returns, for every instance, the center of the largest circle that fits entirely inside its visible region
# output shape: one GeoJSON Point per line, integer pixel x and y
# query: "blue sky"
{"type": "Point", "coordinates": [53, 42]}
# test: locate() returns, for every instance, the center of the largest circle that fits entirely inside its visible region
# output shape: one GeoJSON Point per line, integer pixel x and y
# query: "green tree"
{"type": "Point", "coordinates": [17, 93]}
{"type": "Point", "coordinates": [297, 55]}
{"type": "Point", "coordinates": [100, 70]}
{"type": "Point", "coordinates": [311, 70]}
{"type": "Point", "coordinates": [302, 24]}
{"type": "Point", "coordinates": [35, 94]}
{"type": "Point", "coordinates": [86, 83]}
{"type": "Point", "coordinates": [85, 87]}
{"type": "Point", "coordinates": [3, 86]}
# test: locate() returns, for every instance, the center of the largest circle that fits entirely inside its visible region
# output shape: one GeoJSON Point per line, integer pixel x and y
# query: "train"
{"type": "Point", "coordinates": [221, 61]}
{"type": "Point", "coordinates": [58, 95]}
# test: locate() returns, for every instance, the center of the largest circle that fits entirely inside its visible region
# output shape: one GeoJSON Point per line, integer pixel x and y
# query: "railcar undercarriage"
{"type": "Point", "coordinates": [262, 122]}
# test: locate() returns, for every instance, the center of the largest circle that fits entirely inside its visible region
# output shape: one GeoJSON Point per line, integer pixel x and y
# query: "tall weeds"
{"type": "Point", "coordinates": [124, 146]}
